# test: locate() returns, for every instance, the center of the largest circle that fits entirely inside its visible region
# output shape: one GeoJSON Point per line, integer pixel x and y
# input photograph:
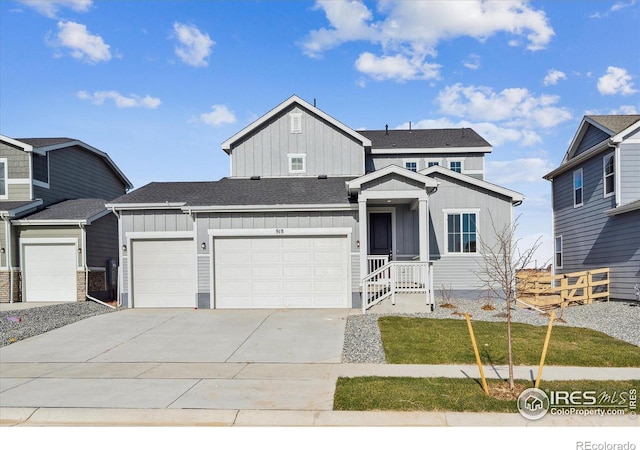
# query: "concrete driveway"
{"type": "Point", "coordinates": [174, 358]}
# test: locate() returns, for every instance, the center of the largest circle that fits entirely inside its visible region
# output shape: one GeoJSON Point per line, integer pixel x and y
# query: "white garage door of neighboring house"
{"type": "Point", "coordinates": [282, 272]}
{"type": "Point", "coordinates": [49, 272]}
{"type": "Point", "coordinates": [163, 273]}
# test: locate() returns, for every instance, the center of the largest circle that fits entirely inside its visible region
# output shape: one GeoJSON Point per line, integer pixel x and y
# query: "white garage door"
{"type": "Point", "coordinates": [163, 273]}
{"type": "Point", "coordinates": [282, 272]}
{"type": "Point", "coordinates": [50, 272]}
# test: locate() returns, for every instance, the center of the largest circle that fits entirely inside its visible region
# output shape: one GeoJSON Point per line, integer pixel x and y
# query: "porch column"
{"type": "Point", "coordinates": [364, 250]}
{"type": "Point", "coordinates": [423, 226]}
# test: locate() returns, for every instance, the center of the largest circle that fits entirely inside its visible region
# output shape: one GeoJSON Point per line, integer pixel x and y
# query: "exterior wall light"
{"type": "Point", "coordinates": [203, 246]}
{"type": "Point", "coordinates": [124, 248]}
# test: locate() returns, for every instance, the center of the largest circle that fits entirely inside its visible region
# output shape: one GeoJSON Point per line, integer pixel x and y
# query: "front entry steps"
{"type": "Point", "coordinates": [405, 304]}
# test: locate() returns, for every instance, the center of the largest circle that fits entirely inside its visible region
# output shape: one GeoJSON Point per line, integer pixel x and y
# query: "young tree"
{"type": "Point", "coordinates": [502, 259]}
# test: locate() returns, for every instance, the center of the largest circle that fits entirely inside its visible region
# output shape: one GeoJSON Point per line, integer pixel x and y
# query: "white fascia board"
{"type": "Point", "coordinates": [427, 151]}
{"type": "Point", "coordinates": [515, 196]}
{"type": "Point", "coordinates": [52, 222]}
{"type": "Point", "coordinates": [226, 145]}
{"type": "Point", "coordinates": [356, 184]}
{"type": "Point", "coordinates": [139, 206]}
{"type": "Point", "coordinates": [618, 138]}
{"type": "Point", "coordinates": [393, 195]}
{"type": "Point", "coordinates": [271, 208]}
{"type": "Point", "coordinates": [16, 143]}
{"type": "Point", "coordinates": [634, 206]}
{"type": "Point", "coordinates": [582, 157]}
{"type": "Point", "coordinates": [280, 232]}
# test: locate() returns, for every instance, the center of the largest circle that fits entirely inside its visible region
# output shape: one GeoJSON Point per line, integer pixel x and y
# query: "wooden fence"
{"type": "Point", "coordinates": [543, 290]}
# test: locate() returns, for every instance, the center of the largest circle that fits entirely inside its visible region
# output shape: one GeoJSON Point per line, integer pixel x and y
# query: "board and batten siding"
{"type": "Point", "coordinates": [102, 241]}
{"type": "Point", "coordinates": [590, 238]}
{"type": "Point", "coordinates": [459, 270]}
{"type": "Point", "coordinates": [329, 151]}
{"type": "Point", "coordinates": [630, 171]}
{"type": "Point", "coordinates": [77, 173]}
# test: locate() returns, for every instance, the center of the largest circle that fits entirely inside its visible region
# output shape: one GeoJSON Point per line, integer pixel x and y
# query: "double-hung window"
{"type": "Point", "coordinates": [577, 188]}
{"type": "Point", "coordinates": [609, 175]}
{"type": "Point", "coordinates": [3, 178]}
{"type": "Point", "coordinates": [462, 232]}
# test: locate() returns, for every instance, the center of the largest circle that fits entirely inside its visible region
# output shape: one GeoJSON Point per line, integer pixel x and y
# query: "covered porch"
{"type": "Point", "coordinates": [393, 218]}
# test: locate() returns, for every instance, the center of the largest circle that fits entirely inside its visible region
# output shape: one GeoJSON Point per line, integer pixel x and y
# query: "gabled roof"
{"type": "Point", "coordinates": [82, 210]}
{"type": "Point", "coordinates": [447, 139]}
{"type": "Point", "coordinates": [616, 126]}
{"type": "Point", "coordinates": [355, 185]}
{"type": "Point", "coordinates": [516, 197]}
{"type": "Point", "coordinates": [43, 145]}
{"type": "Point", "coordinates": [238, 193]}
{"type": "Point", "coordinates": [227, 145]}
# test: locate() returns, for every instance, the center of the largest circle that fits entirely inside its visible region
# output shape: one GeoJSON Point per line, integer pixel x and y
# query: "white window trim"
{"type": "Point", "coordinates": [296, 118]}
{"type": "Point", "coordinates": [461, 161]}
{"type": "Point", "coordinates": [448, 212]}
{"type": "Point", "coordinates": [573, 188]}
{"type": "Point", "coordinates": [555, 252]}
{"type": "Point", "coordinates": [604, 175]}
{"type": "Point", "coordinates": [407, 161]}
{"type": "Point", "coordinates": [290, 157]}
{"type": "Point", "coordinates": [6, 178]}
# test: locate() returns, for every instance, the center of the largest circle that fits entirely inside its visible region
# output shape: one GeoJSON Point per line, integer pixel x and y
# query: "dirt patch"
{"type": "Point", "coordinates": [502, 392]}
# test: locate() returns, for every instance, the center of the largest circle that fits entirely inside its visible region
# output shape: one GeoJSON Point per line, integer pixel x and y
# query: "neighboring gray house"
{"type": "Point", "coordinates": [596, 202]}
{"type": "Point", "coordinates": [56, 236]}
{"type": "Point", "coordinates": [310, 216]}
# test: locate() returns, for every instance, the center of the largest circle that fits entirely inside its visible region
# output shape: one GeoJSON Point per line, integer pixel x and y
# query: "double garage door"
{"type": "Point", "coordinates": [247, 272]}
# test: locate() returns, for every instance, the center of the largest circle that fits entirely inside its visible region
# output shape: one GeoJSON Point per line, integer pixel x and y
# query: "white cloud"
{"type": "Point", "coordinates": [472, 62]}
{"type": "Point", "coordinates": [82, 45]}
{"type": "Point", "coordinates": [219, 116]}
{"type": "Point", "coordinates": [616, 81]}
{"type": "Point", "coordinates": [553, 76]}
{"type": "Point", "coordinates": [514, 106]}
{"type": "Point", "coordinates": [121, 101]}
{"type": "Point", "coordinates": [412, 30]}
{"type": "Point", "coordinates": [396, 67]}
{"type": "Point", "coordinates": [50, 8]}
{"type": "Point", "coordinates": [194, 46]}
{"type": "Point", "coordinates": [525, 170]}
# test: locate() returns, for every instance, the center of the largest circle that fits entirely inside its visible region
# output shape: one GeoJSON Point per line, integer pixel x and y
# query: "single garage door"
{"type": "Point", "coordinates": [282, 272]}
{"type": "Point", "coordinates": [163, 273]}
{"type": "Point", "coordinates": [49, 272]}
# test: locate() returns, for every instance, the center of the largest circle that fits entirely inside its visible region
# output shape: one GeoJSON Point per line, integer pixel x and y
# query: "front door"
{"type": "Point", "coordinates": [380, 242]}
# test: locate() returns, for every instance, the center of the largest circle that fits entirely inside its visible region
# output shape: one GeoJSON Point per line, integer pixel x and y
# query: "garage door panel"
{"type": "Point", "coordinates": [163, 273]}
{"type": "Point", "coordinates": [284, 272]}
{"type": "Point", "coordinates": [50, 272]}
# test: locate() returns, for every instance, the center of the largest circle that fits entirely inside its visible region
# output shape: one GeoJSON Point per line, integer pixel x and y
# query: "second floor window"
{"type": "Point", "coordinates": [297, 163]}
{"type": "Point", "coordinates": [609, 175]}
{"type": "Point", "coordinates": [456, 166]}
{"type": "Point", "coordinates": [558, 252]}
{"type": "Point", "coordinates": [3, 178]}
{"type": "Point", "coordinates": [411, 165]}
{"type": "Point", "coordinates": [577, 188]}
{"type": "Point", "coordinates": [433, 163]}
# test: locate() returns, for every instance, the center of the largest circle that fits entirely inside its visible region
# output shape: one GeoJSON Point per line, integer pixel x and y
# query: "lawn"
{"type": "Point", "coordinates": [449, 394]}
{"type": "Point", "coordinates": [409, 340]}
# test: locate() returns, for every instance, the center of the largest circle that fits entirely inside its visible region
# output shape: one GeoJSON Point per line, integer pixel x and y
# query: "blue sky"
{"type": "Point", "coordinates": [159, 85]}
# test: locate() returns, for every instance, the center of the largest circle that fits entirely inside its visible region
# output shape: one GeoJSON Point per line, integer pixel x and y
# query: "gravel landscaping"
{"type": "Point", "coordinates": [619, 319]}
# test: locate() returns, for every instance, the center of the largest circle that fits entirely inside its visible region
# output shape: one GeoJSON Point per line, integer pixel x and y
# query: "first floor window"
{"type": "Point", "coordinates": [558, 252]}
{"type": "Point", "coordinates": [456, 166]}
{"type": "Point", "coordinates": [461, 233]}
{"type": "Point", "coordinates": [577, 188]}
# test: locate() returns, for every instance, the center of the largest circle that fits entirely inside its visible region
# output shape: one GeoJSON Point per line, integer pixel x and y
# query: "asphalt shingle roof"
{"type": "Point", "coordinates": [243, 191]}
{"type": "Point", "coordinates": [616, 123]}
{"type": "Point", "coordinates": [6, 206]}
{"type": "Point", "coordinates": [45, 142]}
{"type": "Point", "coordinates": [78, 209]}
{"type": "Point", "coordinates": [424, 138]}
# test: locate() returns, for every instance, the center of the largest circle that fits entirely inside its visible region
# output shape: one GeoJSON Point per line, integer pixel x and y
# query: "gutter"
{"type": "Point", "coordinates": [86, 269]}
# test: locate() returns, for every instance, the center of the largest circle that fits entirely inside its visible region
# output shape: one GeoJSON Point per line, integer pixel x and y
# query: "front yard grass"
{"type": "Point", "coordinates": [449, 394]}
{"type": "Point", "coordinates": [408, 340]}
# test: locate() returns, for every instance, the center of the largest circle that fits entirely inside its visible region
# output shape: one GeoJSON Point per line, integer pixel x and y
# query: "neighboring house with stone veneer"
{"type": "Point", "coordinates": [56, 236]}
{"type": "Point", "coordinates": [313, 211]}
{"type": "Point", "coordinates": [596, 202]}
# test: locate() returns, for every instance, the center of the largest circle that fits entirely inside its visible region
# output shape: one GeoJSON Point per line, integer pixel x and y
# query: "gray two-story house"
{"type": "Point", "coordinates": [314, 215]}
{"type": "Point", "coordinates": [596, 202]}
{"type": "Point", "coordinates": [58, 242]}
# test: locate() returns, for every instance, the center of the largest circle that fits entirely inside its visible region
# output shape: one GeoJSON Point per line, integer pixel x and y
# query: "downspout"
{"type": "Point", "coordinates": [120, 259]}
{"type": "Point", "coordinates": [86, 269]}
{"type": "Point", "coordinates": [7, 225]}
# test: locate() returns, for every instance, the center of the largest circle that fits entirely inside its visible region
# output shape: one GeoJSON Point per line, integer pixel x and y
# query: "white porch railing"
{"type": "Point", "coordinates": [409, 277]}
{"type": "Point", "coordinates": [374, 262]}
